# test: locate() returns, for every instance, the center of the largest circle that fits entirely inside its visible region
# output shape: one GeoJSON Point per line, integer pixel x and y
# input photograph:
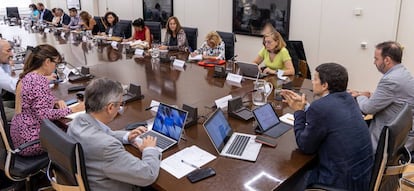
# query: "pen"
{"type": "Point", "coordinates": [189, 164]}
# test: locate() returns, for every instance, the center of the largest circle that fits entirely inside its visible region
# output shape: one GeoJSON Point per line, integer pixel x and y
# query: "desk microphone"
{"type": "Point", "coordinates": [78, 72]}
{"type": "Point", "coordinates": [233, 58]}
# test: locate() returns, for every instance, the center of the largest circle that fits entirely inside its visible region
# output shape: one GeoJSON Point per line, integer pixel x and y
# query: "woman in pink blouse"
{"type": "Point", "coordinates": [34, 99]}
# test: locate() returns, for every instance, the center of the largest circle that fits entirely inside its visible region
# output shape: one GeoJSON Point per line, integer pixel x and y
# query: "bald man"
{"type": "Point", "coordinates": [7, 82]}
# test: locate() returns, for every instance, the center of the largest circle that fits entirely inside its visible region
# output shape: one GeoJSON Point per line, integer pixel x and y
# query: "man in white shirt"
{"type": "Point", "coordinates": [7, 82]}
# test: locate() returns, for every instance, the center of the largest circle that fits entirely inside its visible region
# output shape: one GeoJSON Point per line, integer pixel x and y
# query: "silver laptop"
{"type": "Point", "coordinates": [268, 121]}
{"type": "Point", "coordinates": [168, 126]}
{"type": "Point", "coordinates": [228, 143]}
{"type": "Point", "coordinates": [250, 70]}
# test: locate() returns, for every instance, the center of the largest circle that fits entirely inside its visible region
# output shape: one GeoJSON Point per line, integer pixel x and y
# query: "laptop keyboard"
{"type": "Point", "coordinates": [162, 142]}
{"type": "Point", "coordinates": [238, 145]}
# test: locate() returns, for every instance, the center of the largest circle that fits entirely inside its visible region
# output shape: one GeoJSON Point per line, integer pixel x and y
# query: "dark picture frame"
{"type": "Point", "coordinates": [249, 16]}
{"type": "Point", "coordinates": [157, 10]}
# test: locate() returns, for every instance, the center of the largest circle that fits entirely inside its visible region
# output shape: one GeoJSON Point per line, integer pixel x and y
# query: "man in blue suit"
{"type": "Point", "coordinates": [45, 14]}
{"type": "Point", "coordinates": [333, 128]}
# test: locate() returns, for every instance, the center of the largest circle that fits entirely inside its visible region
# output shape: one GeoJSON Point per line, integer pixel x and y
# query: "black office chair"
{"type": "Point", "coordinates": [18, 168]}
{"type": "Point", "coordinates": [126, 27]}
{"type": "Point", "coordinates": [66, 170]}
{"type": "Point", "coordinates": [192, 35]}
{"type": "Point", "coordinates": [155, 28]}
{"type": "Point", "coordinates": [100, 25]}
{"type": "Point", "coordinates": [297, 53]}
{"type": "Point", "coordinates": [229, 40]}
{"type": "Point", "coordinates": [13, 15]}
{"type": "Point", "coordinates": [392, 156]}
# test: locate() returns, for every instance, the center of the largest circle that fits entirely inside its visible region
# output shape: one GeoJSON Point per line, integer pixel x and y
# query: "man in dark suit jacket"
{"type": "Point", "coordinates": [333, 128]}
{"type": "Point", "coordinates": [64, 20]}
{"type": "Point", "coordinates": [45, 14]}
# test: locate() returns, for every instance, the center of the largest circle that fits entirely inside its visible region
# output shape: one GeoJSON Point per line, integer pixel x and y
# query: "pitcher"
{"type": "Point", "coordinates": [262, 90]}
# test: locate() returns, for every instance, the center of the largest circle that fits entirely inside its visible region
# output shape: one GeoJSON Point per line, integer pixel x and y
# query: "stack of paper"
{"type": "Point", "coordinates": [185, 161]}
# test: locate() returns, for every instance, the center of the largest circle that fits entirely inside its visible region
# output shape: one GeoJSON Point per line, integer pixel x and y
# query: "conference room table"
{"type": "Point", "coordinates": [279, 168]}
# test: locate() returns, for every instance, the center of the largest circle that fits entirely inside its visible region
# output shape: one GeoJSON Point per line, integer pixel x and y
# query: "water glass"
{"type": "Point", "coordinates": [155, 51]}
{"type": "Point", "coordinates": [230, 65]}
{"type": "Point", "coordinates": [60, 71]}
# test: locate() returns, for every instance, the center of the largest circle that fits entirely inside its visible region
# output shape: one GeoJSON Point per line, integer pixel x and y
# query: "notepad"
{"type": "Point", "coordinates": [196, 57]}
{"type": "Point", "coordinates": [191, 155]}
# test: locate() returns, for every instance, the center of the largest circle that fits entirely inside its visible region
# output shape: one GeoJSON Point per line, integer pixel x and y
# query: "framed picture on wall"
{"type": "Point", "coordinates": [73, 3]}
{"type": "Point", "coordinates": [157, 10]}
{"type": "Point", "coordinates": [249, 16]}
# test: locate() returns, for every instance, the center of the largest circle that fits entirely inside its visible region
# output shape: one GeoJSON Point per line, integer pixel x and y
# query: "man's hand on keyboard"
{"type": "Point", "coordinates": [136, 132]}
{"type": "Point", "coordinates": [148, 141]}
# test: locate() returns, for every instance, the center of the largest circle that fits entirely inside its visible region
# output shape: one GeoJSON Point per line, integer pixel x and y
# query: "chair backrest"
{"type": "Point", "coordinates": [5, 143]}
{"type": "Point", "coordinates": [12, 12]}
{"type": "Point", "coordinates": [155, 28]}
{"type": "Point", "coordinates": [66, 157]}
{"type": "Point", "coordinates": [391, 155]}
{"type": "Point", "coordinates": [99, 27]}
{"type": "Point", "coordinates": [297, 53]}
{"type": "Point", "coordinates": [192, 35]}
{"type": "Point", "coordinates": [229, 40]}
{"type": "Point", "coordinates": [126, 27]}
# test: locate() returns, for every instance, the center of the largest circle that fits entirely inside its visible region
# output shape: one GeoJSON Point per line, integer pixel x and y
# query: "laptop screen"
{"type": "Point", "coordinates": [169, 121]}
{"type": "Point", "coordinates": [218, 129]}
{"type": "Point", "coordinates": [266, 117]}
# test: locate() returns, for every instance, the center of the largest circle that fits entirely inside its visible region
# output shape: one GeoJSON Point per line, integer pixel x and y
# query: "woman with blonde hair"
{"type": "Point", "coordinates": [274, 55]}
{"type": "Point", "coordinates": [88, 23]}
{"type": "Point", "coordinates": [212, 48]}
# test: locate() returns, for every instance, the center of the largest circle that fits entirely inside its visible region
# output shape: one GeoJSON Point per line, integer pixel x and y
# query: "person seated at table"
{"type": "Point", "coordinates": [34, 16]}
{"type": "Point", "coordinates": [7, 82]}
{"type": "Point", "coordinates": [62, 18]}
{"type": "Point", "coordinates": [212, 48]}
{"type": "Point", "coordinates": [333, 128]}
{"type": "Point", "coordinates": [74, 19]}
{"type": "Point", "coordinates": [175, 38]}
{"type": "Point", "coordinates": [274, 55]}
{"type": "Point", "coordinates": [34, 99]}
{"type": "Point", "coordinates": [108, 165]}
{"type": "Point", "coordinates": [111, 24]}
{"type": "Point", "coordinates": [45, 14]}
{"type": "Point", "coordinates": [87, 21]}
{"type": "Point", "coordinates": [55, 19]}
{"type": "Point", "coordinates": [140, 32]}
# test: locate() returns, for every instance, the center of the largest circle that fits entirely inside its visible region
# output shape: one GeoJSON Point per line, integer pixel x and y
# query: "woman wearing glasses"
{"type": "Point", "coordinates": [274, 55]}
{"type": "Point", "coordinates": [34, 99]}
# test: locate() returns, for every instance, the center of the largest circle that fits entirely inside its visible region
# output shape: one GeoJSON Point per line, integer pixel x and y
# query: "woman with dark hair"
{"type": "Point", "coordinates": [274, 55]}
{"type": "Point", "coordinates": [111, 24]}
{"type": "Point", "coordinates": [141, 32]}
{"type": "Point", "coordinates": [88, 23]}
{"type": "Point", "coordinates": [34, 99]}
{"type": "Point", "coordinates": [35, 13]}
{"type": "Point", "coordinates": [175, 38]}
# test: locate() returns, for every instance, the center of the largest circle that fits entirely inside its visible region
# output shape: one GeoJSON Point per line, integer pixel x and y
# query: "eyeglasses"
{"type": "Point", "coordinates": [268, 42]}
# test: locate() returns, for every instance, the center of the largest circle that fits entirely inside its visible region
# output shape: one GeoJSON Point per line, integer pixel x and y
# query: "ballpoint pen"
{"type": "Point", "coordinates": [189, 164]}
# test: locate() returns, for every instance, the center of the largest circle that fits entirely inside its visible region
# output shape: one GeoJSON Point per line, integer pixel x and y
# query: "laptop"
{"type": "Point", "coordinates": [250, 70]}
{"type": "Point", "coordinates": [228, 143]}
{"type": "Point", "coordinates": [237, 110]}
{"type": "Point", "coordinates": [268, 122]}
{"type": "Point", "coordinates": [168, 126]}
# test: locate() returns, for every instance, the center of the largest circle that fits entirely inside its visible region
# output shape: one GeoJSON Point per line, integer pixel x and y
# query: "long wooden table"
{"type": "Point", "coordinates": [275, 169]}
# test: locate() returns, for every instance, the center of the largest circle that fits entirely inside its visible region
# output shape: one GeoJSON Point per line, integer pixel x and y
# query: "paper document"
{"type": "Point", "coordinates": [186, 161]}
{"type": "Point", "coordinates": [288, 118]}
{"type": "Point", "coordinates": [197, 57]}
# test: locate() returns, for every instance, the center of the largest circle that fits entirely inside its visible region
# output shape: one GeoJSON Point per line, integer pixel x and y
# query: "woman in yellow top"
{"type": "Point", "coordinates": [274, 55]}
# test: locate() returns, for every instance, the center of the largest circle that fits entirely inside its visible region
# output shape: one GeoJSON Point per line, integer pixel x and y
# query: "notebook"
{"type": "Point", "coordinates": [167, 126]}
{"type": "Point", "coordinates": [268, 122]}
{"type": "Point", "coordinates": [228, 143]}
{"type": "Point", "coordinates": [250, 70]}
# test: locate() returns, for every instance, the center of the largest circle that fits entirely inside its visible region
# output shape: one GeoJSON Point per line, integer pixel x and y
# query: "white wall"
{"type": "Point", "coordinates": [329, 29]}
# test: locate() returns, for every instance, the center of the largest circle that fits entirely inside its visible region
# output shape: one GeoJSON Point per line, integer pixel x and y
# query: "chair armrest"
{"type": "Point", "coordinates": [25, 145]}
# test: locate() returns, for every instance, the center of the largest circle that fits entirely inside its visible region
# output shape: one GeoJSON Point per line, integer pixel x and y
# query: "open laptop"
{"type": "Point", "coordinates": [268, 122]}
{"type": "Point", "coordinates": [228, 143]}
{"type": "Point", "coordinates": [167, 126]}
{"type": "Point", "coordinates": [250, 70]}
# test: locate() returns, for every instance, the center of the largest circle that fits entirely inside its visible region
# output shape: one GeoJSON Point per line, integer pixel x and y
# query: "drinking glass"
{"type": "Point", "coordinates": [262, 90]}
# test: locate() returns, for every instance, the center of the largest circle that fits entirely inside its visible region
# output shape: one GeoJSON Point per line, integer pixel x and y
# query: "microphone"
{"type": "Point", "coordinates": [233, 58]}
{"type": "Point", "coordinates": [77, 71]}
